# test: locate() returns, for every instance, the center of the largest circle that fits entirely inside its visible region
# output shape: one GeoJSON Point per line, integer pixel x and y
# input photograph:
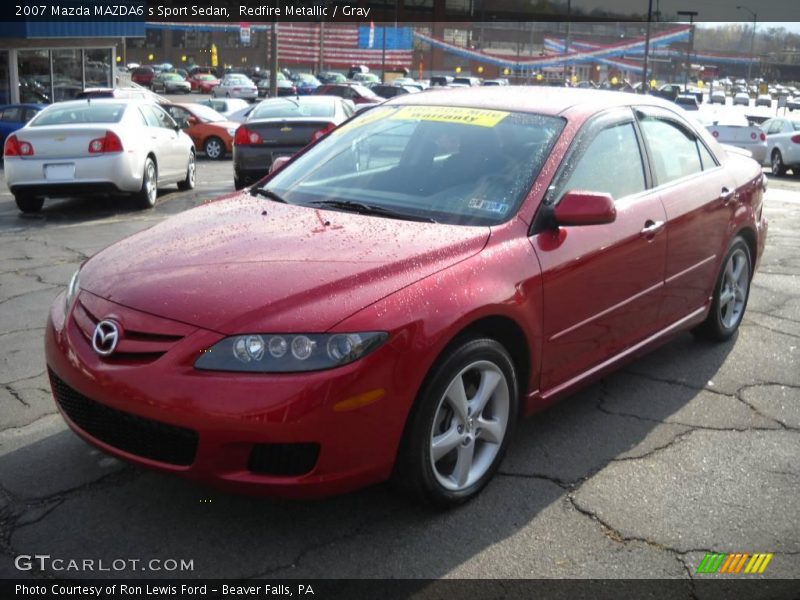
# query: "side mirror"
{"type": "Point", "coordinates": [278, 163]}
{"type": "Point", "coordinates": [191, 121]}
{"type": "Point", "coordinates": [578, 207]}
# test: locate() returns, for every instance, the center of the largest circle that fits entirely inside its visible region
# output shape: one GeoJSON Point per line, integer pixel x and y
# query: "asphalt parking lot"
{"type": "Point", "coordinates": [689, 450]}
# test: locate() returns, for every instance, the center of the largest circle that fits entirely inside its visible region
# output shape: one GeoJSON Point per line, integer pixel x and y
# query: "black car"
{"type": "Point", "coordinates": [281, 127]}
{"type": "Point", "coordinates": [285, 88]}
{"type": "Point", "coordinates": [389, 91]}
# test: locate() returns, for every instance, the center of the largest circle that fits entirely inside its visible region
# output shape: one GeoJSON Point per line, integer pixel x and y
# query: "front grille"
{"type": "Point", "coordinates": [283, 459]}
{"type": "Point", "coordinates": [131, 433]}
{"type": "Point", "coordinates": [145, 338]}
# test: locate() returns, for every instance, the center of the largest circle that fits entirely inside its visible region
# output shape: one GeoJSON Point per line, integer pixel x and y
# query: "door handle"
{"type": "Point", "coordinates": [651, 228]}
{"type": "Point", "coordinates": [726, 195]}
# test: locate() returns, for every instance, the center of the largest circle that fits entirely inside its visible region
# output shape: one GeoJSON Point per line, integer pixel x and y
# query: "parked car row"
{"type": "Point", "coordinates": [255, 135]}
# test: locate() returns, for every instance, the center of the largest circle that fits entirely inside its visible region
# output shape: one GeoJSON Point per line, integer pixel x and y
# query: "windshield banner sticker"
{"type": "Point", "coordinates": [451, 114]}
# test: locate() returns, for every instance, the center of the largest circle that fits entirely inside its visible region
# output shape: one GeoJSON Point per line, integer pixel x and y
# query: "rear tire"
{"type": "Point", "coordinates": [214, 148]}
{"type": "Point", "coordinates": [191, 170]}
{"type": "Point", "coordinates": [778, 168]}
{"type": "Point", "coordinates": [147, 195]}
{"type": "Point", "coordinates": [731, 292]}
{"type": "Point", "coordinates": [28, 204]}
{"type": "Point", "coordinates": [460, 425]}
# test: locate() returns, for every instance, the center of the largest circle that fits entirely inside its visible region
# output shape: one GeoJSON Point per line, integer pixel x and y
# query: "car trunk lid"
{"type": "Point", "coordinates": [62, 141]}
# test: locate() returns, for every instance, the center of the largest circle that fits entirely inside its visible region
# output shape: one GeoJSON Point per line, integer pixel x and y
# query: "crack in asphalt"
{"type": "Point", "coordinates": [10, 298]}
{"type": "Point", "coordinates": [620, 538]}
{"type": "Point", "coordinates": [15, 394]}
{"type": "Point", "coordinates": [768, 328]}
{"type": "Point", "coordinates": [302, 553]}
{"type": "Point", "coordinates": [13, 516]}
{"type": "Point", "coordinates": [566, 485]}
{"type": "Point", "coordinates": [29, 377]}
{"type": "Point", "coordinates": [36, 420]}
{"type": "Point", "coordinates": [736, 395]}
{"type": "Point", "coordinates": [24, 330]}
{"type": "Point", "coordinates": [766, 314]}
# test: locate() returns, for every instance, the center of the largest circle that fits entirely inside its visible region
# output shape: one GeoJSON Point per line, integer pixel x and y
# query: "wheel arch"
{"type": "Point", "coordinates": [748, 234]}
{"type": "Point", "coordinates": [503, 329]}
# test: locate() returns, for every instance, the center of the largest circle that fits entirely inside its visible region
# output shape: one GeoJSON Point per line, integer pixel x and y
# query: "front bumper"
{"type": "Point", "coordinates": [233, 414]}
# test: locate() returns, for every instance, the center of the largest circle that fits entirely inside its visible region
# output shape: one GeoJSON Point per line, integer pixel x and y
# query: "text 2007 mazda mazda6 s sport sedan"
{"type": "Point", "coordinates": [393, 299]}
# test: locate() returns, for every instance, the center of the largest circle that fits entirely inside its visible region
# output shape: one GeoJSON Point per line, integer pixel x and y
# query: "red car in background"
{"type": "Point", "coordinates": [358, 94]}
{"type": "Point", "coordinates": [203, 82]}
{"type": "Point", "coordinates": [390, 301]}
{"type": "Point", "coordinates": [143, 76]}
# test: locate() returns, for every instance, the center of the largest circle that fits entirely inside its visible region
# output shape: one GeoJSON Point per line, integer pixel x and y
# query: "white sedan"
{"type": "Point", "coordinates": [783, 144]}
{"type": "Point", "coordinates": [730, 126]}
{"type": "Point", "coordinates": [235, 85]}
{"type": "Point", "coordinates": [105, 146]}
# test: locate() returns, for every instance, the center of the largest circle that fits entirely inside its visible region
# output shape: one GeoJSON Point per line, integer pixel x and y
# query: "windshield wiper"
{"type": "Point", "coordinates": [267, 194]}
{"type": "Point", "coordinates": [370, 209]}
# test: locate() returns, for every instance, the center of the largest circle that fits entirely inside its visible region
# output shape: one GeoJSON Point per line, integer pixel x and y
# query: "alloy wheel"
{"type": "Point", "coordinates": [733, 294]}
{"type": "Point", "coordinates": [469, 425]}
{"type": "Point", "coordinates": [151, 186]}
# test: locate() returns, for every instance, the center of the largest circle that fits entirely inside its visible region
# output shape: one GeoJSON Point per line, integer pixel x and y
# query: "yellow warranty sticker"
{"type": "Point", "coordinates": [451, 114]}
{"type": "Point", "coordinates": [375, 114]}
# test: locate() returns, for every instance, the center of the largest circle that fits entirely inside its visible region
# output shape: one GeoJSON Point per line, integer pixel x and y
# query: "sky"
{"type": "Point", "coordinates": [708, 10]}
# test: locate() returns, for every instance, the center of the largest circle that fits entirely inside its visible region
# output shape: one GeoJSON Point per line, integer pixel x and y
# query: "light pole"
{"type": "Point", "coordinates": [645, 83]}
{"type": "Point", "coordinates": [752, 39]}
{"type": "Point", "coordinates": [691, 14]}
{"type": "Point", "coordinates": [566, 39]}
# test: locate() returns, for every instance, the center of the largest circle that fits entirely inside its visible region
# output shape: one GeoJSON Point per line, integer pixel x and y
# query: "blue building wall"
{"type": "Point", "coordinates": [71, 29]}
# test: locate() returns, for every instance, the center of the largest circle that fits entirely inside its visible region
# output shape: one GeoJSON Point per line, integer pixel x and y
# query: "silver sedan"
{"type": "Point", "coordinates": [106, 146]}
{"type": "Point", "coordinates": [235, 85]}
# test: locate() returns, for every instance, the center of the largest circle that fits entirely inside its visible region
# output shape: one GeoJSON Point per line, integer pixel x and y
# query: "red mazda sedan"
{"type": "Point", "coordinates": [393, 300]}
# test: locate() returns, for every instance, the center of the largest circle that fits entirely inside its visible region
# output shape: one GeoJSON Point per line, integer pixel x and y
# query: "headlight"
{"type": "Point", "coordinates": [288, 353]}
{"type": "Point", "coordinates": [72, 290]}
{"type": "Point", "coordinates": [231, 132]}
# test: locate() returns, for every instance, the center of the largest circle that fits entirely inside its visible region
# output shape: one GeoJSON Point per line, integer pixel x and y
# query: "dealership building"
{"type": "Point", "coordinates": [46, 62]}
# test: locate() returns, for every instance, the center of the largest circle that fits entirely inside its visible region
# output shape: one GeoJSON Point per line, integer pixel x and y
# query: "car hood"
{"type": "Point", "coordinates": [249, 264]}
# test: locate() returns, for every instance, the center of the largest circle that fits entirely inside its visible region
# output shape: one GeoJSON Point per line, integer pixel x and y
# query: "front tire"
{"type": "Point", "coordinates": [191, 170]}
{"type": "Point", "coordinates": [778, 168]}
{"type": "Point", "coordinates": [214, 148]}
{"type": "Point", "coordinates": [460, 425]}
{"type": "Point", "coordinates": [731, 293]}
{"type": "Point", "coordinates": [147, 195]}
{"type": "Point", "coordinates": [28, 204]}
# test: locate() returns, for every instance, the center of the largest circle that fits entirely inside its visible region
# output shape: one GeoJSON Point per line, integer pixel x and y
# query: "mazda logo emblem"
{"type": "Point", "coordinates": [105, 337]}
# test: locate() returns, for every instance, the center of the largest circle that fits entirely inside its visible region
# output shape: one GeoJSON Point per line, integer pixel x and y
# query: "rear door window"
{"type": "Point", "coordinates": [674, 150]}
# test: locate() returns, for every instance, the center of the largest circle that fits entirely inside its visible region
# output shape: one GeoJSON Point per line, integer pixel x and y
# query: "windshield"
{"type": "Point", "coordinates": [308, 78]}
{"type": "Point", "coordinates": [71, 114]}
{"type": "Point", "coordinates": [289, 109]}
{"type": "Point", "coordinates": [452, 165]}
{"type": "Point", "coordinates": [172, 77]}
{"type": "Point", "coordinates": [205, 77]}
{"type": "Point", "coordinates": [207, 114]}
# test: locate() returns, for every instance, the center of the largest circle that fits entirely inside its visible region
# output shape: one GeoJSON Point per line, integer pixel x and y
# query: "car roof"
{"type": "Point", "coordinates": [314, 99]}
{"type": "Point", "coordinates": [532, 99]}
{"type": "Point", "coordinates": [90, 101]}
